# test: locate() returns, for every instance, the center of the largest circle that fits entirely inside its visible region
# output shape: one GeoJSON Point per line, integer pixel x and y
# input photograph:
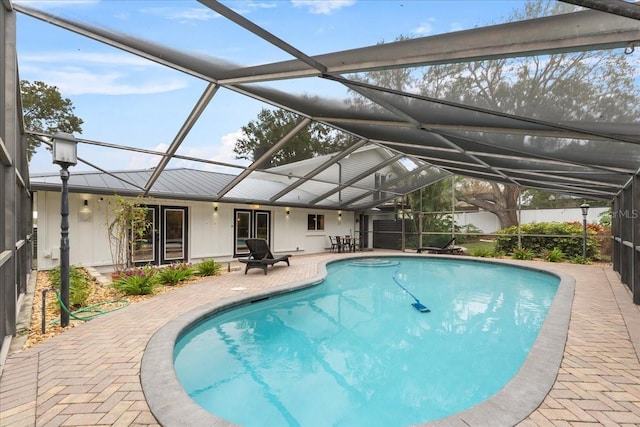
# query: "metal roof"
{"type": "Point", "coordinates": [404, 140]}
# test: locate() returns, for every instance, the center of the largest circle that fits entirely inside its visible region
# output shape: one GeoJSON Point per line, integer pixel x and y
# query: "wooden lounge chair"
{"type": "Point", "coordinates": [260, 255]}
{"type": "Point", "coordinates": [447, 248]}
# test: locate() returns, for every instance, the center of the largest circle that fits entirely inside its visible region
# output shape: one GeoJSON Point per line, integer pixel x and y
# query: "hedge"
{"type": "Point", "coordinates": [546, 236]}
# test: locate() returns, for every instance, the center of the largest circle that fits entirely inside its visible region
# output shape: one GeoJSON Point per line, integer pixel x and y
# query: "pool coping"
{"type": "Point", "coordinates": [171, 405]}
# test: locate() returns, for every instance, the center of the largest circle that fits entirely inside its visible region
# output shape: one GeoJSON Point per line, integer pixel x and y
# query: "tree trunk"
{"type": "Point", "coordinates": [502, 201]}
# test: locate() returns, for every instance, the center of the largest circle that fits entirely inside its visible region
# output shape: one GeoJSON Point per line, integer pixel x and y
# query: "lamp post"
{"type": "Point", "coordinates": [65, 155]}
{"type": "Point", "coordinates": [585, 210]}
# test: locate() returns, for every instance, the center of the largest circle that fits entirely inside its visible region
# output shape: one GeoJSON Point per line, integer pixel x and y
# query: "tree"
{"type": "Point", "coordinates": [45, 110]}
{"type": "Point", "coordinates": [573, 86]}
{"type": "Point", "coordinates": [500, 199]}
{"type": "Point", "coordinates": [541, 199]}
{"type": "Point", "coordinates": [272, 125]}
{"type": "Point", "coordinates": [127, 221]}
{"type": "Point", "coordinates": [401, 79]}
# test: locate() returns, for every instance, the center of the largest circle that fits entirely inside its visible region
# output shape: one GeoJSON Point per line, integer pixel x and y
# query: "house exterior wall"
{"type": "Point", "coordinates": [210, 232]}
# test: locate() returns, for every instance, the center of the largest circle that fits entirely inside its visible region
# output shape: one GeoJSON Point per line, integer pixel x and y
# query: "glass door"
{"type": "Point", "coordinates": [250, 224]}
{"type": "Point", "coordinates": [262, 224]}
{"type": "Point", "coordinates": [144, 245]}
{"type": "Point", "coordinates": [242, 231]}
{"type": "Point", "coordinates": [174, 234]}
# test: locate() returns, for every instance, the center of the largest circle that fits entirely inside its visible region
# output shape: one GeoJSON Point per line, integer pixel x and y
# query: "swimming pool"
{"type": "Point", "coordinates": [338, 342]}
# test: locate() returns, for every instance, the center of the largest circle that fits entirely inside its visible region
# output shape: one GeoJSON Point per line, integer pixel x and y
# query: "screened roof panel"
{"type": "Point", "coordinates": [402, 133]}
{"type": "Point", "coordinates": [579, 151]}
{"type": "Point", "coordinates": [386, 137]}
{"type": "Point", "coordinates": [425, 113]}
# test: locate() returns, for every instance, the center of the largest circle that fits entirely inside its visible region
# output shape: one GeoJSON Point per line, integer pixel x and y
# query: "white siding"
{"type": "Point", "coordinates": [210, 232]}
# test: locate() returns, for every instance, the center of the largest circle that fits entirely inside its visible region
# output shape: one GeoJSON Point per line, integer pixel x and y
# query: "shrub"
{"type": "Point", "coordinates": [208, 267]}
{"type": "Point", "coordinates": [579, 260]}
{"type": "Point", "coordinates": [175, 273]}
{"type": "Point", "coordinates": [498, 254]}
{"type": "Point", "coordinates": [538, 237]}
{"type": "Point", "coordinates": [481, 252]}
{"type": "Point", "coordinates": [137, 281]}
{"type": "Point", "coordinates": [523, 254]}
{"type": "Point", "coordinates": [79, 285]}
{"type": "Point", "coordinates": [554, 255]}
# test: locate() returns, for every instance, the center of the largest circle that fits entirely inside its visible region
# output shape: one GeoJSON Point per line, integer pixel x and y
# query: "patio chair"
{"type": "Point", "coordinates": [260, 256]}
{"type": "Point", "coordinates": [334, 244]}
{"type": "Point", "coordinates": [447, 248]}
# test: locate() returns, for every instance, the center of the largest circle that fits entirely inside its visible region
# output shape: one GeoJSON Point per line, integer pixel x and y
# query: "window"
{"type": "Point", "coordinates": [315, 222]}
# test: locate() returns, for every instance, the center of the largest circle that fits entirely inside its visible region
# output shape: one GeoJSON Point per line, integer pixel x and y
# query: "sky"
{"type": "Point", "coordinates": [127, 100]}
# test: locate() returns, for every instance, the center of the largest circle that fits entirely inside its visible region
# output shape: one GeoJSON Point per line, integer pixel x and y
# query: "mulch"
{"type": "Point", "coordinates": [98, 294]}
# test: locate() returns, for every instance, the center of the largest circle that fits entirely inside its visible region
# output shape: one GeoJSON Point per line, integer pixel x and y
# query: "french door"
{"type": "Point", "coordinates": [144, 244]}
{"type": "Point", "coordinates": [165, 238]}
{"type": "Point", "coordinates": [250, 224]}
{"type": "Point", "coordinates": [173, 235]}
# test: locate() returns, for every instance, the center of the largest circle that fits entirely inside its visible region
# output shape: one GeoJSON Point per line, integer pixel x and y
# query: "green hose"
{"type": "Point", "coordinates": [93, 309]}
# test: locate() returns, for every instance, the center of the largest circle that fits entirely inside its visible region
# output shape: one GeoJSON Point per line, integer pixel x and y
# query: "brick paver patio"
{"type": "Point", "coordinates": [90, 374]}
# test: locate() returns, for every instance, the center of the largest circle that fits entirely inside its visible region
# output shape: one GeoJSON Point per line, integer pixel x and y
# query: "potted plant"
{"type": "Point", "coordinates": [126, 224]}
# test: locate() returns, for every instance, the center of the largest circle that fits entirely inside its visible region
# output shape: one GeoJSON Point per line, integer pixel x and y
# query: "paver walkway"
{"type": "Point", "coordinates": [90, 374]}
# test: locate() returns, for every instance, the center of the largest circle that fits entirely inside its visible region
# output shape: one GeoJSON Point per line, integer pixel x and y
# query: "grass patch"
{"type": "Point", "coordinates": [483, 247]}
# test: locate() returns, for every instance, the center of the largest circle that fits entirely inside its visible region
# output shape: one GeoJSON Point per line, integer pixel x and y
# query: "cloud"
{"type": "Point", "coordinates": [261, 5]}
{"type": "Point", "coordinates": [79, 81]}
{"type": "Point", "coordinates": [224, 153]}
{"type": "Point", "coordinates": [424, 27]}
{"type": "Point", "coordinates": [323, 7]}
{"type": "Point", "coordinates": [115, 59]}
{"type": "Point", "coordinates": [221, 152]}
{"type": "Point", "coordinates": [182, 15]}
{"type": "Point", "coordinates": [455, 26]}
{"type": "Point", "coordinates": [81, 73]}
{"type": "Point", "coordinates": [145, 161]}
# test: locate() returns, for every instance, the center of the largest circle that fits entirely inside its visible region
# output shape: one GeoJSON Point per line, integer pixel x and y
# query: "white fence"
{"type": "Point", "coordinates": [488, 222]}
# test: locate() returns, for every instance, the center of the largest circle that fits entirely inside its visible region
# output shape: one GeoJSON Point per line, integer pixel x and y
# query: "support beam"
{"type": "Point", "coordinates": [572, 32]}
{"type": "Point", "coordinates": [615, 7]}
{"type": "Point", "coordinates": [197, 110]}
{"type": "Point", "coordinates": [270, 152]}
{"type": "Point", "coordinates": [263, 34]}
{"type": "Point", "coordinates": [319, 169]}
{"type": "Point", "coordinates": [357, 178]}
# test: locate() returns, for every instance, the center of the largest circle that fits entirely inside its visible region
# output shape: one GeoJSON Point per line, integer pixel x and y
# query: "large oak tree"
{"type": "Point", "coordinates": [589, 86]}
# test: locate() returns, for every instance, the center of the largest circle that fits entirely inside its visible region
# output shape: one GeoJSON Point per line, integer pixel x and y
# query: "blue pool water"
{"type": "Point", "coordinates": [353, 351]}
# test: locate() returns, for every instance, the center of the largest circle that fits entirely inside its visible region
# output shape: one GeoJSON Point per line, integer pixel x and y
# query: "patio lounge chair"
{"type": "Point", "coordinates": [260, 256]}
{"type": "Point", "coordinates": [447, 248]}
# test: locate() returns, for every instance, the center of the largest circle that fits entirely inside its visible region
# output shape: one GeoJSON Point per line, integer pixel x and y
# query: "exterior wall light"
{"type": "Point", "coordinates": [85, 212]}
